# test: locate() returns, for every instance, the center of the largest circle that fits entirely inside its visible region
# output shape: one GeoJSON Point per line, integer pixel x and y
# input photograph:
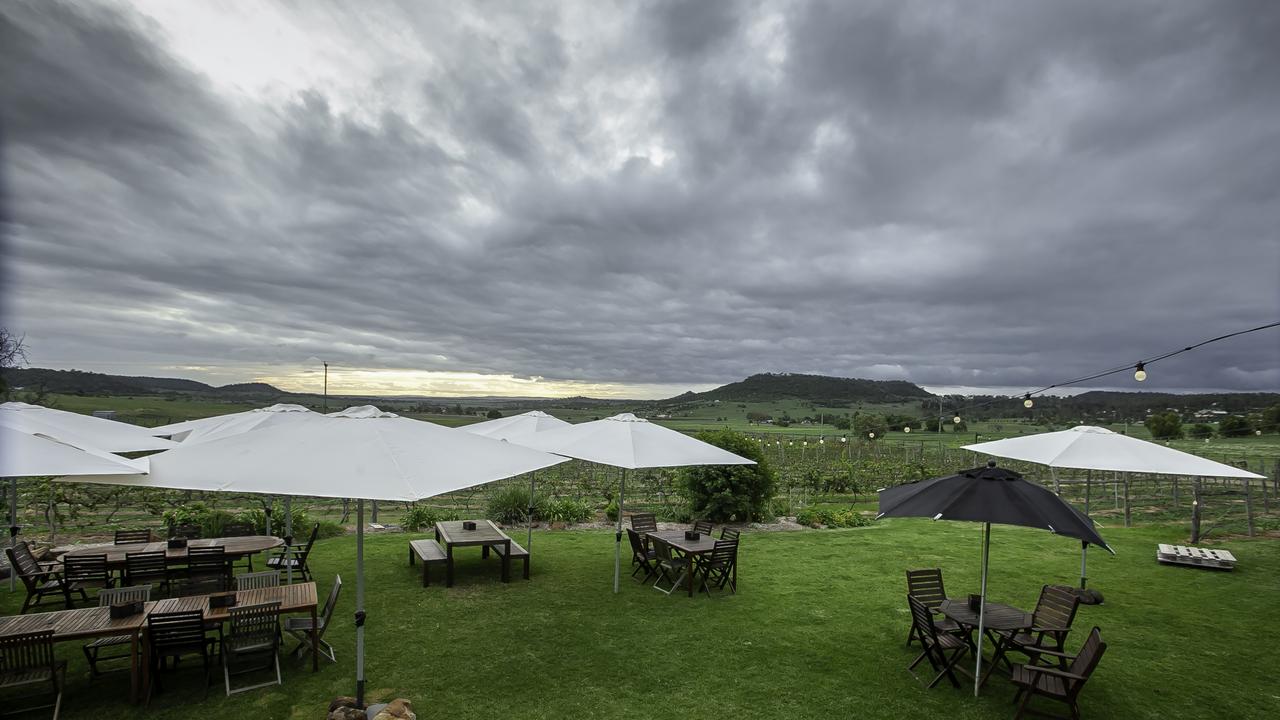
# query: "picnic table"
{"type": "Point", "coordinates": [86, 624]}
{"type": "Point", "coordinates": [998, 616]}
{"type": "Point", "coordinates": [236, 548]}
{"type": "Point", "coordinates": [487, 535]}
{"type": "Point", "coordinates": [692, 549]}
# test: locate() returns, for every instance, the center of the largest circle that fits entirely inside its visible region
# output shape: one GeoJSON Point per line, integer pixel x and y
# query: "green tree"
{"type": "Point", "coordinates": [1200, 431]}
{"type": "Point", "coordinates": [865, 423]}
{"type": "Point", "coordinates": [493, 414]}
{"type": "Point", "coordinates": [842, 422]}
{"type": "Point", "coordinates": [1270, 419]}
{"type": "Point", "coordinates": [1165, 426]}
{"type": "Point", "coordinates": [1234, 426]}
{"type": "Point", "coordinates": [731, 492]}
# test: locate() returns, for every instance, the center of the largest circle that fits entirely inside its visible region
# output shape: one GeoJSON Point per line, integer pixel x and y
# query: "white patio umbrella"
{"type": "Point", "coordinates": [628, 442]}
{"type": "Point", "coordinates": [1086, 447]}
{"type": "Point", "coordinates": [24, 454]}
{"type": "Point", "coordinates": [81, 430]}
{"type": "Point", "coordinates": [512, 429]}
{"type": "Point", "coordinates": [360, 453]}
{"type": "Point", "coordinates": [217, 425]}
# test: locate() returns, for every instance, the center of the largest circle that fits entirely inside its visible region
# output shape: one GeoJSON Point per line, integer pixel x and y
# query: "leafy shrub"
{"type": "Point", "coordinates": [568, 511]}
{"type": "Point", "coordinates": [256, 517]}
{"type": "Point", "coordinates": [675, 513]}
{"type": "Point", "coordinates": [423, 517]}
{"type": "Point", "coordinates": [832, 517]}
{"type": "Point", "coordinates": [611, 511]}
{"type": "Point", "coordinates": [329, 529]}
{"type": "Point", "coordinates": [509, 505]}
{"type": "Point", "coordinates": [1200, 431]}
{"type": "Point", "coordinates": [724, 493]}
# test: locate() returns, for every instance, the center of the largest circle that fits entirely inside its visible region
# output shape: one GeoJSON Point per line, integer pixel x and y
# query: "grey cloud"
{"type": "Point", "coordinates": [1004, 194]}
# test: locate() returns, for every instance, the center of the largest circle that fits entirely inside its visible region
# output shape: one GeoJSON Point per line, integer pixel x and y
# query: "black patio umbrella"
{"type": "Point", "coordinates": [989, 495]}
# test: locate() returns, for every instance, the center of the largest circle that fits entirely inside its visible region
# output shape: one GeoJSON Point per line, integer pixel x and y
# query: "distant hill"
{"type": "Point", "coordinates": [768, 387]}
{"type": "Point", "coordinates": [79, 382]}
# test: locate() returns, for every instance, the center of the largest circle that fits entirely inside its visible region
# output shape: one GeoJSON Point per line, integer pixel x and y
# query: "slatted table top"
{"type": "Point", "coordinates": [675, 538]}
{"type": "Point", "coordinates": [486, 533]}
{"type": "Point", "coordinates": [75, 624]}
{"type": "Point", "coordinates": [235, 547]}
{"type": "Point", "coordinates": [293, 598]}
{"type": "Point", "coordinates": [998, 615]}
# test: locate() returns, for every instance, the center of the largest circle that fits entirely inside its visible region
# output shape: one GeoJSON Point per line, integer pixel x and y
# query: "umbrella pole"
{"type": "Point", "coordinates": [528, 542]}
{"type": "Point", "coordinates": [617, 537]}
{"type": "Point", "coordinates": [1084, 546]}
{"type": "Point", "coordinates": [982, 608]}
{"type": "Point", "coordinates": [13, 527]}
{"type": "Point", "coordinates": [360, 603]}
{"type": "Point", "coordinates": [288, 538]}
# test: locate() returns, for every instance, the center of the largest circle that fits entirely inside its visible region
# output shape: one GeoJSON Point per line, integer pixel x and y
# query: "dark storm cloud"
{"type": "Point", "coordinates": [995, 194]}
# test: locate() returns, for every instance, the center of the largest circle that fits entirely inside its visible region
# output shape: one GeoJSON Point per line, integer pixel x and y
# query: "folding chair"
{"type": "Point", "coordinates": [147, 568]}
{"type": "Point", "coordinates": [132, 537]}
{"type": "Point", "coordinates": [720, 569]}
{"type": "Point", "coordinates": [644, 522]}
{"type": "Point", "coordinates": [942, 650]}
{"type": "Point", "coordinates": [642, 557]}
{"type": "Point", "coordinates": [728, 533]}
{"type": "Point", "coordinates": [40, 579]}
{"type": "Point", "coordinates": [107, 598]}
{"type": "Point", "coordinates": [255, 632]}
{"type": "Point", "coordinates": [668, 566]}
{"type": "Point", "coordinates": [295, 556]}
{"type": "Point", "coordinates": [80, 572]}
{"type": "Point", "coordinates": [703, 526]}
{"type": "Point", "coordinates": [300, 627]}
{"type": "Point", "coordinates": [176, 635]}
{"type": "Point", "coordinates": [1050, 624]}
{"type": "Point", "coordinates": [27, 660]}
{"type": "Point", "coordinates": [253, 581]}
{"type": "Point", "coordinates": [1062, 685]}
{"type": "Point", "coordinates": [926, 586]}
{"type": "Point", "coordinates": [208, 570]}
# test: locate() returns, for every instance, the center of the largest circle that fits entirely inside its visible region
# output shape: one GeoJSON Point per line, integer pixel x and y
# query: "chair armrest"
{"type": "Point", "coordinates": [1046, 651]}
{"type": "Point", "coordinates": [1054, 671]}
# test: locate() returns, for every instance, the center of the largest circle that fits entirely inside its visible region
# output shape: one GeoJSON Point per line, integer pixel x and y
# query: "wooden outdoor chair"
{"type": "Point", "coordinates": [26, 661]}
{"type": "Point", "coordinates": [670, 568]}
{"type": "Point", "coordinates": [132, 537]}
{"type": "Point", "coordinates": [942, 650]}
{"type": "Point", "coordinates": [300, 627]}
{"type": "Point", "coordinates": [208, 570]}
{"type": "Point", "coordinates": [253, 581]}
{"type": "Point", "coordinates": [644, 523]}
{"type": "Point", "coordinates": [82, 572]}
{"type": "Point", "coordinates": [642, 556]}
{"type": "Point", "coordinates": [41, 579]}
{"type": "Point", "coordinates": [926, 586]}
{"type": "Point", "coordinates": [728, 533]}
{"type": "Point", "coordinates": [175, 635]}
{"type": "Point", "coordinates": [720, 568]}
{"type": "Point", "coordinates": [254, 633]}
{"type": "Point", "coordinates": [241, 529]}
{"type": "Point", "coordinates": [1050, 624]}
{"type": "Point", "coordinates": [1062, 685]}
{"type": "Point", "coordinates": [703, 526]}
{"type": "Point", "coordinates": [107, 598]}
{"type": "Point", "coordinates": [295, 556]}
{"type": "Point", "coordinates": [148, 568]}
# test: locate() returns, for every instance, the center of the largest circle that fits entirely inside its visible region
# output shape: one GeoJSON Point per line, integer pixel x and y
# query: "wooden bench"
{"type": "Point", "coordinates": [430, 553]}
{"type": "Point", "coordinates": [517, 553]}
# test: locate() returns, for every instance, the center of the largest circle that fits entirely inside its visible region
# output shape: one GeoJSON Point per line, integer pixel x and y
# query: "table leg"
{"type": "Point", "coordinates": [315, 641]}
{"type": "Point", "coordinates": [134, 661]}
{"type": "Point", "coordinates": [692, 566]}
{"type": "Point", "coordinates": [506, 562]}
{"type": "Point", "coordinates": [448, 565]}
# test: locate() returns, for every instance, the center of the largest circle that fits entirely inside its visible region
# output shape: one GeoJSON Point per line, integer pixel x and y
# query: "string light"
{"type": "Point", "coordinates": [1140, 372]}
{"type": "Point", "coordinates": [1027, 402]}
{"type": "Point", "coordinates": [906, 429]}
{"type": "Point", "coordinates": [956, 420]}
{"type": "Point", "coordinates": [871, 435]}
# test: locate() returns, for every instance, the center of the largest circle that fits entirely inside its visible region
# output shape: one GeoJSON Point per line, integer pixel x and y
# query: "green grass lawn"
{"type": "Point", "coordinates": [816, 631]}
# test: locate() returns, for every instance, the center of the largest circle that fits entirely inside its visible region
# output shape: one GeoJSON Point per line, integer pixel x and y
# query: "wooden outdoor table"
{"type": "Point", "coordinates": [486, 535]}
{"type": "Point", "coordinates": [236, 548]}
{"type": "Point", "coordinates": [692, 549]}
{"type": "Point", "coordinates": [999, 616]}
{"type": "Point", "coordinates": [87, 624]}
{"type": "Point", "coordinates": [300, 597]}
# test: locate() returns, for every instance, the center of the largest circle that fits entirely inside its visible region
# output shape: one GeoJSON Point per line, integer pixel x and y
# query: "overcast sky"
{"type": "Point", "coordinates": [635, 199]}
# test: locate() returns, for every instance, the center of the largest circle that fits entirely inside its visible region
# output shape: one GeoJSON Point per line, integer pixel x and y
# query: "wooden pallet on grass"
{"type": "Point", "coordinates": [1195, 557]}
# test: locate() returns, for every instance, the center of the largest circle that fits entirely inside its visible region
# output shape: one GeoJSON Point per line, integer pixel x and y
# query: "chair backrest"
{"type": "Point", "coordinates": [207, 559]}
{"type": "Point", "coordinates": [1056, 608]}
{"type": "Point", "coordinates": [330, 604]}
{"type": "Point", "coordinates": [238, 529]}
{"type": "Point", "coordinates": [145, 564]}
{"type": "Point", "coordinates": [1086, 660]}
{"type": "Point", "coordinates": [26, 652]}
{"type": "Point", "coordinates": [176, 630]}
{"type": "Point", "coordinates": [85, 568]}
{"type": "Point", "coordinates": [637, 543]}
{"type": "Point", "coordinates": [926, 586]}
{"type": "Point", "coordinates": [663, 549]}
{"type": "Point", "coordinates": [306, 549]}
{"type": "Point", "coordinates": [727, 533]}
{"type": "Point", "coordinates": [118, 596]}
{"type": "Point", "coordinates": [129, 537]}
{"type": "Point", "coordinates": [255, 580]}
{"type": "Point", "coordinates": [644, 522]}
{"type": "Point", "coordinates": [922, 618]}
{"type": "Point", "coordinates": [703, 526]}
{"type": "Point", "coordinates": [725, 552]}
{"type": "Point", "coordinates": [253, 624]}
{"type": "Point", "coordinates": [20, 557]}
{"type": "Point", "coordinates": [186, 530]}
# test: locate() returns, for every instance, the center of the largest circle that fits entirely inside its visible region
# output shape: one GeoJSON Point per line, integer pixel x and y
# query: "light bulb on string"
{"type": "Point", "coordinates": [906, 429]}
{"type": "Point", "coordinates": [1027, 402]}
{"type": "Point", "coordinates": [1139, 372]}
{"type": "Point", "coordinates": [871, 435]}
{"type": "Point", "coordinates": [956, 420]}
